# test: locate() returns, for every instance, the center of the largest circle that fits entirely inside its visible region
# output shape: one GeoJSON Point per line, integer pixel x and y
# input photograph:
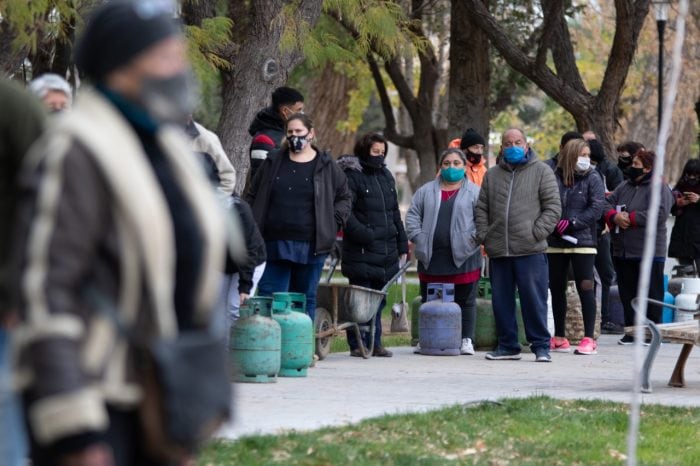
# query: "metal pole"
{"type": "Point", "coordinates": [661, 26]}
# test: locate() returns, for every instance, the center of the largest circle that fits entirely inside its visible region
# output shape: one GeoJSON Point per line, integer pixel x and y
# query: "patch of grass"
{"type": "Point", "coordinates": [531, 431]}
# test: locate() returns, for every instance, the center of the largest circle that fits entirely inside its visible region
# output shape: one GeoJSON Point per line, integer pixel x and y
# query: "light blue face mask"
{"type": "Point", "coordinates": [452, 174]}
{"type": "Point", "coordinates": [513, 154]}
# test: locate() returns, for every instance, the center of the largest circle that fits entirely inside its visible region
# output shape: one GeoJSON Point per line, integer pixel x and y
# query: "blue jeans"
{"type": "Point", "coordinates": [352, 341]}
{"type": "Point", "coordinates": [13, 449]}
{"type": "Point", "coordinates": [531, 276]}
{"type": "Point", "coordinates": [287, 276]}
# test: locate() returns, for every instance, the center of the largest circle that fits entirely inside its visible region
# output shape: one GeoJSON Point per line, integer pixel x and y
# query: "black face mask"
{"type": "Point", "coordinates": [374, 161]}
{"type": "Point", "coordinates": [690, 181]}
{"type": "Point", "coordinates": [624, 162]}
{"type": "Point", "coordinates": [473, 158]}
{"type": "Point", "coordinates": [632, 173]}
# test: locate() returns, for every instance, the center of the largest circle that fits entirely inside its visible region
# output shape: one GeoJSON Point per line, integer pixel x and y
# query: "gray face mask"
{"type": "Point", "coordinates": [171, 99]}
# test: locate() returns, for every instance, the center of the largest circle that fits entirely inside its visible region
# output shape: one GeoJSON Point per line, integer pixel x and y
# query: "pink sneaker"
{"type": "Point", "coordinates": [587, 346]}
{"type": "Point", "coordinates": [559, 345]}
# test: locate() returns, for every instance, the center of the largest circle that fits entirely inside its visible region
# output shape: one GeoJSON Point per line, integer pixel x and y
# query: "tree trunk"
{"type": "Point", "coordinates": [328, 105]}
{"type": "Point", "coordinates": [259, 66]}
{"type": "Point", "coordinates": [470, 75]}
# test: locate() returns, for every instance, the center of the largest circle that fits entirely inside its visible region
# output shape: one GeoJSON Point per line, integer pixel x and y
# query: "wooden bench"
{"type": "Point", "coordinates": [684, 333]}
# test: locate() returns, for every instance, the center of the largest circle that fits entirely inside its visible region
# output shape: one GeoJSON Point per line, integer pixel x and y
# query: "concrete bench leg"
{"type": "Point", "coordinates": [678, 377]}
{"type": "Point", "coordinates": [651, 355]}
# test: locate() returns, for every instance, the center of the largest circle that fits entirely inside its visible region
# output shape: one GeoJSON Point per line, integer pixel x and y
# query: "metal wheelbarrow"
{"type": "Point", "coordinates": [340, 306]}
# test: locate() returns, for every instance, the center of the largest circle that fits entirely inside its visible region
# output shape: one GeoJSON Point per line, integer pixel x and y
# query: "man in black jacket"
{"type": "Point", "coordinates": [267, 129]}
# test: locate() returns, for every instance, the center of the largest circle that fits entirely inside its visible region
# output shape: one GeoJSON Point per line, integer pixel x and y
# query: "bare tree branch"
{"type": "Point", "coordinates": [563, 53]}
{"type": "Point", "coordinates": [390, 122]}
{"type": "Point", "coordinates": [551, 10]}
{"type": "Point", "coordinates": [563, 93]}
{"type": "Point", "coordinates": [629, 18]}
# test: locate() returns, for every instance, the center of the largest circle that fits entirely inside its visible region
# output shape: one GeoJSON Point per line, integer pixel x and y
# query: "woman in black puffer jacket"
{"type": "Point", "coordinates": [374, 238]}
{"type": "Point", "coordinates": [573, 241]}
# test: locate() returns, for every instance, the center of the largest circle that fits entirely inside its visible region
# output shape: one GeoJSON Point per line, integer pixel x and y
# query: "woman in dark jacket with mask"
{"type": "Point", "coordinates": [374, 239]}
{"type": "Point", "coordinates": [628, 216]}
{"type": "Point", "coordinates": [300, 199]}
{"type": "Point", "coordinates": [573, 241]}
{"type": "Point", "coordinates": [685, 236]}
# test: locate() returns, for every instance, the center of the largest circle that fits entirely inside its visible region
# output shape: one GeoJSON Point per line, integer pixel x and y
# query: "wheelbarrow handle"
{"type": "Point", "coordinates": [401, 271]}
{"type": "Point", "coordinates": [331, 269]}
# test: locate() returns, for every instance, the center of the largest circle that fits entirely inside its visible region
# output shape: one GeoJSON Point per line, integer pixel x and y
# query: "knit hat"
{"type": "Point", "coordinates": [471, 137]}
{"type": "Point", "coordinates": [646, 157]}
{"type": "Point", "coordinates": [120, 30]}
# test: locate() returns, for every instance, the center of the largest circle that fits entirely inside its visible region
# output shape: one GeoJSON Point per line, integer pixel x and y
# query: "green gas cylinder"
{"type": "Point", "coordinates": [256, 340]}
{"type": "Point", "coordinates": [485, 335]}
{"type": "Point", "coordinates": [288, 309]}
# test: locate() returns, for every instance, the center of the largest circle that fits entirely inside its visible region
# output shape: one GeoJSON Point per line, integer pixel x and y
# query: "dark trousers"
{"type": "Point", "coordinates": [582, 265]}
{"type": "Point", "coordinates": [352, 341]}
{"type": "Point", "coordinates": [606, 272]}
{"type": "Point", "coordinates": [531, 276]}
{"type": "Point", "coordinates": [286, 276]}
{"type": "Point", "coordinates": [124, 436]}
{"type": "Point", "coordinates": [465, 296]}
{"type": "Point", "coordinates": [627, 282]}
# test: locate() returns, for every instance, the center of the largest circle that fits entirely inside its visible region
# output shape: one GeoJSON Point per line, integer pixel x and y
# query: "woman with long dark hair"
{"type": "Point", "coordinates": [573, 242]}
{"type": "Point", "coordinates": [374, 239]}
{"type": "Point", "coordinates": [685, 236]}
{"type": "Point", "coordinates": [300, 199]}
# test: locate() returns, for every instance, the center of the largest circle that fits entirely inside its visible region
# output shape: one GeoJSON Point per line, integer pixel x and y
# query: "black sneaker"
{"type": "Point", "coordinates": [356, 353]}
{"type": "Point", "coordinates": [629, 340]}
{"type": "Point", "coordinates": [611, 328]}
{"type": "Point", "coordinates": [626, 340]}
{"type": "Point", "coordinates": [542, 355]}
{"type": "Point", "coordinates": [500, 354]}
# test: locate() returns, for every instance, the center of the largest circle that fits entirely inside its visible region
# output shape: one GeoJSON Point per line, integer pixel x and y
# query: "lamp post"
{"type": "Point", "coordinates": [661, 11]}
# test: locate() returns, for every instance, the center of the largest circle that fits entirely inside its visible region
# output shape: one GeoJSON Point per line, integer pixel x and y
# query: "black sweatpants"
{"type": "Point", "coordinates": [582, 265]}
{"type": "Point", "coordinates": [627, 281]}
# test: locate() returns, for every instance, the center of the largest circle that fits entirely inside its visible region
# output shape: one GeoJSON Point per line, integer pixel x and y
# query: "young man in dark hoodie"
{"type": "Point", "coordinates": [267, 129]}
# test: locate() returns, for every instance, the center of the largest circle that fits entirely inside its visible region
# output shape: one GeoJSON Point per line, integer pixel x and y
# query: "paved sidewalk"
{"type": "Point", "coordinates": [343, 390]}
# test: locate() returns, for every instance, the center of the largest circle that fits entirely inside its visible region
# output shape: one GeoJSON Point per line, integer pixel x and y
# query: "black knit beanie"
{"type": "Point", "coordinates": [120, 30]}
{"type": "Point", "coordinates": [471, 137]}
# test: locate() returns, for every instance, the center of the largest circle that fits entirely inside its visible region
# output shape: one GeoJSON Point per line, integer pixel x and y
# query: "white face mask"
{"type": "Point", "coordinates": [583, 164]}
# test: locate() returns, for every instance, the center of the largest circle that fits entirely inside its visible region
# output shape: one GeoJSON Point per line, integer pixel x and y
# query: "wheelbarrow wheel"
{"type": "Point", "coordinates": [322, 323]}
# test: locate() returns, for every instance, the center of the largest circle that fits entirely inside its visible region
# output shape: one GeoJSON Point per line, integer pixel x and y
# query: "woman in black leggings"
{"type": "Point", "coordinates": [573, 242]}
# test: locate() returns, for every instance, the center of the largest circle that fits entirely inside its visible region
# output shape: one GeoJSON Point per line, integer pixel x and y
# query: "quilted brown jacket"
{"type": "Point", "coordinates": [518, 208]}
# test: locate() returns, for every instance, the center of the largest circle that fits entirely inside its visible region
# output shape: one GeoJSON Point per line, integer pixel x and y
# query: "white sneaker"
{"type": "Point", "coordinates": [467, 346]}
{"type": "Point", "coordinates": [416, 350]}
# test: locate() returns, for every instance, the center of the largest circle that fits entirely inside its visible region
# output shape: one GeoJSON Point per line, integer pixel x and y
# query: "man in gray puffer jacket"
{"type": "Point", "coordinates": [518, 208]}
